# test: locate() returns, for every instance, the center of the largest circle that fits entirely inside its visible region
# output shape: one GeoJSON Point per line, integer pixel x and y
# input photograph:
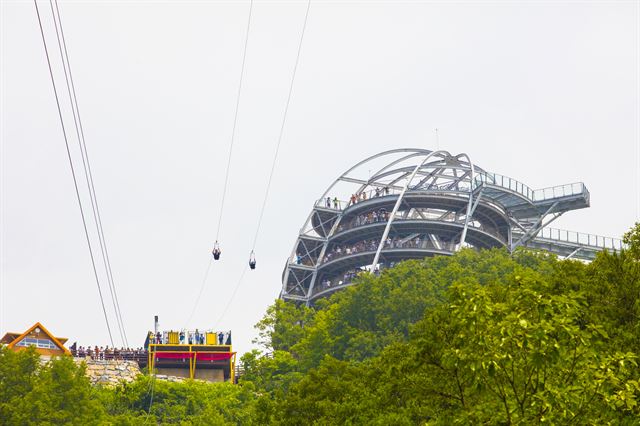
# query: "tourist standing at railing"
{"type": "Point", "coordinates": [335, 203]}
{"type": "Point", "coordinates": [328, 202]}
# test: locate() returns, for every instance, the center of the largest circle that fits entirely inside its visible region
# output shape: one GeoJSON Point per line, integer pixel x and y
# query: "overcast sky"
{"type": "Point", "coordinates": [544, 92]}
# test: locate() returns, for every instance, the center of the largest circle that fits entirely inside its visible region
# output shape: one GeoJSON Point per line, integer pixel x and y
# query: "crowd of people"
{"type": "Point", "coordinates": [372, 245]}
{"type": "Point", "coordinates": [345, 278]}
{"type": "Point", "coordinates": [166, 337]}
{"type": "Point", "coordinates": [381, 215]}
{"type": "Point", "coordinates": [107, 353]}
{"type": "Point", "coordinates": [349, 275]}
{"type": "Point", "coordinates": [355, 198]}
{"type": "Point", "coordinates": [345, 250]}
{"type": "Point", "coordinates": [362, 196]}
{"type": "Point", "coordinates": [187, 337]}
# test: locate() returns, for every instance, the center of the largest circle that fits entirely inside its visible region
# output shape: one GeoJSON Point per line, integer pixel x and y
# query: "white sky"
{"type": "Point", "coordinates": [544, 92]}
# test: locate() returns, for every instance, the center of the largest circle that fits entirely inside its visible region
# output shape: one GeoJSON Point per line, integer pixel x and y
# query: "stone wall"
{"type": "Point", "coordinates": [110, 372]}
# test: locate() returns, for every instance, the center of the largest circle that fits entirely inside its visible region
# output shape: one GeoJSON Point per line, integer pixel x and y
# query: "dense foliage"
{"type": "Point", "coordinates": [479, 337]}
{"type": "Point", "coordinates": [45, 394]}
{"type": "Point", "coordinates": [58, 392]}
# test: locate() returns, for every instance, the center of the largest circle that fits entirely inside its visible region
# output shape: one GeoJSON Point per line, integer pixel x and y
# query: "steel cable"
{"type": "Point", "coordinates": [233, 295]}
{"type": "Point", "coordinates": [235, 121]}
{"type": "Point", "coordinates": [75, 109]}
{"type": "Point", "coordinates": [195, 306]}
{"type": "Point", "coordinates": [284, 120]}
{"type": "Point", "coordinates": [73, 173]}
{"type": "Point", "coordinates": [226, 176]}
{"type": "Point", "coordinates": [275, 158]}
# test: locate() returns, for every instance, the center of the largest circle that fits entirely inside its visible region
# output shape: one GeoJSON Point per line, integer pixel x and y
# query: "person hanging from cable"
{"type": "Point", "coordinates": [252, 260]}
{"type": "Point", "coordinates": [216, 251]}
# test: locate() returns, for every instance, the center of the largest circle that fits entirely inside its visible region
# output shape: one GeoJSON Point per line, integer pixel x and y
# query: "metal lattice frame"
{"type": "Point", "coordinates": [446, 201]}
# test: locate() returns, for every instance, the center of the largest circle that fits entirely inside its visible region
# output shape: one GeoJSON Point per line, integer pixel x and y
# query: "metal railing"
{"type": "Point", "coordinates": [335, 204]}
{"type": "Point", "coordinates": [488, 178]}
{"type": "Point", "coordinates": [580, 238]}
{"type": "Point", "coordinates": [559, 191]}
{"type": "Point", "coordinates": [139, 355]}
{"type": "Point", "coordinates": [370, 246]}
{"type": "Point", "coordinates": [524, 190]}
{"type": "Point", "coordinates": [504, 182]}
{"type": "Point", "coordinates": [372, 194]}
{"type": "Point", "coordinates": [369, 219]}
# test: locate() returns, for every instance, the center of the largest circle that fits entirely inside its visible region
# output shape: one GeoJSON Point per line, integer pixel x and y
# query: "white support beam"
{"type": "Point", "coordinates": [397, 206]}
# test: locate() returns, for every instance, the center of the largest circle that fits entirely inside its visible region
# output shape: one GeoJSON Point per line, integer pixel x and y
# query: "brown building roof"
{"type": "Point", "coordinates": [36, 331]}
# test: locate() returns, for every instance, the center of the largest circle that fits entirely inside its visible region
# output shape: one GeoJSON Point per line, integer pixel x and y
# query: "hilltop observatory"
{"type": "Point", "coordinates": [414, 203]}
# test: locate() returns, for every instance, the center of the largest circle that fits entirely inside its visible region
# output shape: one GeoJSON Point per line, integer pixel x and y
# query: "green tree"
{"type": "Point", "coordinates": [505, 339]}
{"type": "Point", "coordinates": [632, 240]}
{"type": "Point", "coordinates": [45, 393]}
{"type": "Point", "coordinates": [283, 325]}
{"type": "Point", "coordinates": [188, 402]}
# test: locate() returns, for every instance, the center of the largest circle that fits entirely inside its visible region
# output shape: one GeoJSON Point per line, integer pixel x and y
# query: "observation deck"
{"type": "Point", "coordinates": [205, 356]}
{"type": "Point", "coordinates": [415, 203]}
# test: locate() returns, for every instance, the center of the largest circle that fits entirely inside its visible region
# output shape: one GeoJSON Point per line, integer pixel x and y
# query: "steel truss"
{"type": "Point", "coordinates": [420, 203]}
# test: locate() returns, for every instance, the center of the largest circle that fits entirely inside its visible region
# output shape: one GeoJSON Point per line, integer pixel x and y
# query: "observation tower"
{"type": "Point", "coordinates": [413, 203]}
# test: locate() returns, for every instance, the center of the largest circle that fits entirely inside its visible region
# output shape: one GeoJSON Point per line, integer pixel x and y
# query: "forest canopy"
{"type": "Point", "coordinates": [478, 337]}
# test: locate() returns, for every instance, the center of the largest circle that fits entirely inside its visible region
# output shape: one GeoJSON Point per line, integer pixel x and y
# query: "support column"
{"type": "Point", "coordinates": [385, 234]}
{"type": "Point", "coordinates": [470, 210]}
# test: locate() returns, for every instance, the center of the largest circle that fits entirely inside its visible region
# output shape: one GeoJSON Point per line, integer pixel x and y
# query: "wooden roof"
{"type": "Point", "coordinates": [11, 339]}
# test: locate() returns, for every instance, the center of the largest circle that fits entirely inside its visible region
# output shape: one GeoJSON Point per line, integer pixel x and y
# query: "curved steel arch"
{"type": "Point", "coordinates": [416, 151]}
{"type": "Point", "coordinates": [441, 173]}
{"type": "Point", "coordinates": [385, 234]}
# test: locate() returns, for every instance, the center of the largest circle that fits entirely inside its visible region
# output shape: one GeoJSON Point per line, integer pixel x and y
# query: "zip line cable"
{"type": "Point", "coordinates": [226, 176]}
{"type": "Point", "coordinates": [235, 121]}
{"type": "Point", "coordinates": [275, 158]}
{"type": "Point", "coordinates": [284, 120]}
{"type": "Point", "coordinates": [233, 295]}
{"type": "Point", "coordinates": [153, 388]}
{"type": "Point", "coordinates": [73, 174]}
{"type": "Point", "coordinates": [204, 281]}
{"type": "Point", "coordinates": [87, 166]}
